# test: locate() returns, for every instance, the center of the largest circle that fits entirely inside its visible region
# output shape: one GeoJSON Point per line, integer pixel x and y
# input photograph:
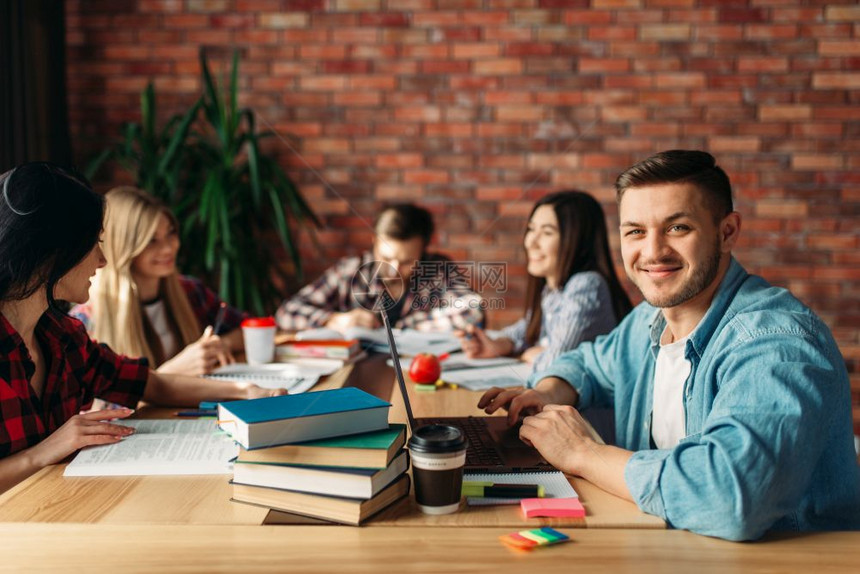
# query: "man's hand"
{"type": "Point", "coordinates": [355, 318]}
{"type": "Point", "coordinates": [562, 437]}
{"type": "Point", "coordinates": [518, 402]}
{"type": "Point", "coordinates": [79, 431]}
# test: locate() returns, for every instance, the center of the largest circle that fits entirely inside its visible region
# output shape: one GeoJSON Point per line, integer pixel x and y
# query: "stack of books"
{"type": "Point", "coordinates": [330, 455]}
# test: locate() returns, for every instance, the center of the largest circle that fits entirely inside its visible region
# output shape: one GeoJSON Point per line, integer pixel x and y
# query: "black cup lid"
{"type": "Point", "coordinates": [437, 438]}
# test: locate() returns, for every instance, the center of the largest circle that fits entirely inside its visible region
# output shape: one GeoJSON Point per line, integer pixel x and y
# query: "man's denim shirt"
{"type": "Point", "coordinates": [769, 440]}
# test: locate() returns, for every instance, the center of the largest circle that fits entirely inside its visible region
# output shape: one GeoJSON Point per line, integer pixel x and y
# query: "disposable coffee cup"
{"type": "Point", "coordinates": [438, 455]}
{"type": "Point", "coordinates": [259, 336]}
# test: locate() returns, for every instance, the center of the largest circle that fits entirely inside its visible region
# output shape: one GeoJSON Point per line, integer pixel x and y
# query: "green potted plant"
{"type": "Point", "coordinates": [236, 206]}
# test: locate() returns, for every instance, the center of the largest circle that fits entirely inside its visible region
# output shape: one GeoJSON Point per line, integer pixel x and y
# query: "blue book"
{"type": "Point", "coordinates": [287, 419]}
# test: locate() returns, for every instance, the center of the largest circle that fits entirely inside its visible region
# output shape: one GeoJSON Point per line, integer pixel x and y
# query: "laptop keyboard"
{"type": "Point", "coordinates": [482, 449]}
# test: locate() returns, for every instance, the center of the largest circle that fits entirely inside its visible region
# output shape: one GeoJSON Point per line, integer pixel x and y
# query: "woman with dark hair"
{"type": "Point", "coordinates": [50, 222]}
{"type": "Point", "coordinates": [573, 292]}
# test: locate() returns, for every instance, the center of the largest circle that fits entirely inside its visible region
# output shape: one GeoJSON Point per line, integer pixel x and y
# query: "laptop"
{"type": "Point", "coordinates": [493, 445]}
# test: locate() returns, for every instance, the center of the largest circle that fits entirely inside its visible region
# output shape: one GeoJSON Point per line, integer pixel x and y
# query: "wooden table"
{"type": "Point", "coordinates": [181, 548]}
{"type": "Point", "coordinates": [48, 496]}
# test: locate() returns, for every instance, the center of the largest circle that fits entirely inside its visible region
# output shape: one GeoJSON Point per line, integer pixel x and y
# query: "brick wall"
{"type": "Point", "coordinates": [476, 107]}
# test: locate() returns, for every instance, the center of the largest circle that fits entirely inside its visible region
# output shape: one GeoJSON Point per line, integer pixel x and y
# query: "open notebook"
{"type": "Point", "coordinates": [268, 376]}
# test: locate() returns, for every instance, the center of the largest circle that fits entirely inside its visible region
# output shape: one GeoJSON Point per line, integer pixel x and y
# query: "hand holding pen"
{"type": "Point", "coordinates": [203, 355]}
{"type": "Point", "coordinates": [476, 344]}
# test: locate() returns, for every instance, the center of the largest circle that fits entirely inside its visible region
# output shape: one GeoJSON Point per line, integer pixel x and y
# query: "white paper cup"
{"type": "Point", "coordinates": [259, 336]}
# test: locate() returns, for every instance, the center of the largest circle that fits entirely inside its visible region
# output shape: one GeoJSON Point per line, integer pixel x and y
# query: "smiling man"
{"type": "Point", "coordinates": [732, 401]}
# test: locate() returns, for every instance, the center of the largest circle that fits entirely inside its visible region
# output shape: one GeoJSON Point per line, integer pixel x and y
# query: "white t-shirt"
{"type": "Point", "coordinates": [157, 314]}
{"type": "Point", "coordinates": [668, 422]}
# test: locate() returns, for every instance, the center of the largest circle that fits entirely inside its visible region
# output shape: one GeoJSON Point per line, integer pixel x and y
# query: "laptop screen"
{"type": "Point", "coordinates": [395, 358]}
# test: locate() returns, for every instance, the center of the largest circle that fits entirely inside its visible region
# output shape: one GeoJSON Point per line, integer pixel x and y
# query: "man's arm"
{"type": "Point", "coordinates": [777, 396]}
{"type": "Point", "coordinates": [316, 302]}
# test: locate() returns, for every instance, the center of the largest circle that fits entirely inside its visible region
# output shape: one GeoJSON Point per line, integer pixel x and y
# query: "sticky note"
{"type": "Point", "coordinates": [529, 539]}
{"type": "Point", "coordinates": [568, 507]}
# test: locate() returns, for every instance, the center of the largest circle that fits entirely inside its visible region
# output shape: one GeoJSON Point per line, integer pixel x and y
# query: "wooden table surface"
{"type": "Point", "coordinates": [181, 548]}
{"type": "Point", "coordinates": [48, 496]}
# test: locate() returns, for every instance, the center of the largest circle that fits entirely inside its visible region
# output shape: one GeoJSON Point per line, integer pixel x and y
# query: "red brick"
{"type": "Point", "coordinates": [498, 67]}
{"type": "Point", "coordinates": [784, 113]}
{"type": "Point", "coordinates": [346, 67]}
{"type": "Point", "coordinates": [357, 5]}
{"type": "Point", "coordinates": [497, 130]}
{"type": "Point", "coordinates": [682, 80]}
{"type": "Point", "coordinates": [436, 19]}
{"type": "Point", "coordinates": [456, 130]}
{"type": "Point", "coordinates": [842, 13]}
{"type": "Point", "coordinates": [756, 64]}
{"type": "Point", "coordinates": [665, 32]}
{"type": "Point", "coordinates": [288, 20]}
{"type": "Point", "coordinates": [426, 176]}
{"type": "Point", "coordinates": [372, 82]}
{"type": "Point", "coordinates": [329, 52]}
{"type": "Point", "coordinates": [399, 160]}
{"type": "Point", "coordinates": [815, 162]}
{"type": "Point", "coordinates": [839, 48]}
{"type": "Point", "coordinates": [384, 20]}
{"type": "Point", "coordinates": [426, 51]}
{"type": "Point", "coordinates": [475, 51]}
{"type": "Point", "coordinates": [587, 17]}
{"type": "Point", "coordinates": [302, 37]}
{"type": "Point", "coordinates": [604, 65]}
{"type": "Point", "coordinates": [535, 17]}
{"type": "Point", "coordinates": [612, 33]}
{"type": "Point", "coordinates": [721, 32]}
{"type": "Point", "coordinates": [418, 114]}
{"type": "Point", "coordinates": [362, 98]}
{"type": "Point", "coordinates": [444, 67]}
{"type": "Point", "coordinates": [508, 34]}
{"type": "Point", "coordinates": [322, 83]}
{"type": "Point", "coordinates": [836, 80]}
{"type": "Point", "coordinates": [488, 18]}
{"type": "Point", "coordinates": [360, 36]}
{"type": "Point", "coordinates": [256, 36]}
{"type": "Point", "coordinates": [734, 144]}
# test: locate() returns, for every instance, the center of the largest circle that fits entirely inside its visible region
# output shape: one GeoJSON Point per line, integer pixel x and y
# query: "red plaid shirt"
{"type": "Point", "coordinates": [204, 302]}
{"type": "Point", "coordinates": [77, 371]}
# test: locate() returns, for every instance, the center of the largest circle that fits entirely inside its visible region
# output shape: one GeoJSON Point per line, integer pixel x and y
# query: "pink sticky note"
{"type": "Point", "coordinates": [570, 507]}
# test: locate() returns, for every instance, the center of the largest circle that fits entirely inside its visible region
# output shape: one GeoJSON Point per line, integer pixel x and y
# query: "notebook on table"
{"type": "Point", "coordinates": [493, 445]}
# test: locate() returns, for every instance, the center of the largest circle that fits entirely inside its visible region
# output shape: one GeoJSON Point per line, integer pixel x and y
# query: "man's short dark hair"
{"type": "Point", "coordinates": [402, 221]}
{"type": "Point", "coordinates": [682, 166]}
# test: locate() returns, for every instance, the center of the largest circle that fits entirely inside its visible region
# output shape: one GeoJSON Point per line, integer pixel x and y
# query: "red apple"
{"type": "Point", "coordinates": [425, 369]}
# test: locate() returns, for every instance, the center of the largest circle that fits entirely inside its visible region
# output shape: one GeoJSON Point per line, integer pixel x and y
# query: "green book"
{"type": "Point", "coordinates": [374, 449]}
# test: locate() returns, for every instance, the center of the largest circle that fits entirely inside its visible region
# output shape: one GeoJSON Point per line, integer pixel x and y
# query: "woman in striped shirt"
{"type": "Point", "coordinates": [573, 292]}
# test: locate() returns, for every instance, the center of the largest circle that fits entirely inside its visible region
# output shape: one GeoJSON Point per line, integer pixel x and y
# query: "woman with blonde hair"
{"type": "Point", "coordinates": [141, 306]}
{"type": "Point", "coordinates": [50, 369]}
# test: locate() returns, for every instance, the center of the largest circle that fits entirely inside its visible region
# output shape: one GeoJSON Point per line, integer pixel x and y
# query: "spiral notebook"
{"type": "Point", "coordinates": [555, 484]}
{"type": "Point", "coordinates": [266, 376]}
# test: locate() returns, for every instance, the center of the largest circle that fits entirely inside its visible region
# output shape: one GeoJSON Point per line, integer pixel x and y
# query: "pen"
{"type": "Point", "coordinates": [198, 413]}
{"type": "Point", "coordinates": [219, 318]}
{"type": "Point", "coordinates": [491, 490]}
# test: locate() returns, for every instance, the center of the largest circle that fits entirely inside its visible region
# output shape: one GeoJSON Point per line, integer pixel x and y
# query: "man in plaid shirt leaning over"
{"type": "Point", "coordinates": [428, 289]}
